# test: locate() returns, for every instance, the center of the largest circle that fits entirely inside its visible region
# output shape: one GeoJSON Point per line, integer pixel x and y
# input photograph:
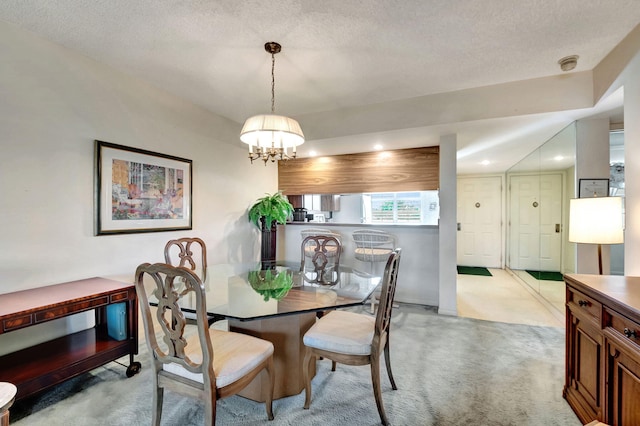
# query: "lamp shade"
{"type": "Point", "coordinates": [270, 130]}
{"type": "Point", "coordinates": [596, 220]}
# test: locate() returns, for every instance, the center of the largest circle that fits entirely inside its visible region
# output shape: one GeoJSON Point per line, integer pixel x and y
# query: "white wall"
{"type": "Point", "coordinates": [350, 209]}
{"type": "Point", "coordinates": [54, 103]}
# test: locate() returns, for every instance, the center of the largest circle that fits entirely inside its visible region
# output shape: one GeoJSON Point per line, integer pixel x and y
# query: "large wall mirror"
{"type": "Point", "coordinates": [539, 188]}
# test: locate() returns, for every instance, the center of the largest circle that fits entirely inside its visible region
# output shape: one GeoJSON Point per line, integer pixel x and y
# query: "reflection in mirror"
{"type": "Point", "coordinates": [616, 189]}
{"type": "Point", "coordinates": [539, 189]}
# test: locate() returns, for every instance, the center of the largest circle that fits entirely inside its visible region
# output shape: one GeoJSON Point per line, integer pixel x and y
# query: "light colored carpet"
{"type": "Point", "coordinates": [449, 371]}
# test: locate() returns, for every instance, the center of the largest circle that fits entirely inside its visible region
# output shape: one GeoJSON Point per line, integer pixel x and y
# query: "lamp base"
{"type": "Point", "coordinates": [600, 259]}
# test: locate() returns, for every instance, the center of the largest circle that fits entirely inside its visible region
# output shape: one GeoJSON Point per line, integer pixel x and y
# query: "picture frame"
{"type": "Point", "coordinates": [589, 188]}
{"type": "Point", "coordinates": [140, 191]}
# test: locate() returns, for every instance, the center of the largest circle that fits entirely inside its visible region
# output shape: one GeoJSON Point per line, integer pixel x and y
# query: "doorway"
{"type": "Point", "coordinates": [479, 213]}
{"type": "Point", "coordinates": [535, 234]}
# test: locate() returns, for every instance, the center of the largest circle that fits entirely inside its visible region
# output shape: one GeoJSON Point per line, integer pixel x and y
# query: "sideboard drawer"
{"type": "Point", "coordinates": [623, 325]}
{"type": "Point", "coordinates": [583, 303]}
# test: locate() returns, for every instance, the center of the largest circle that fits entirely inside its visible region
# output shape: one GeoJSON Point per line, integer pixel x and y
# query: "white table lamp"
{"type": "Point", "coordinates": [596, 220]}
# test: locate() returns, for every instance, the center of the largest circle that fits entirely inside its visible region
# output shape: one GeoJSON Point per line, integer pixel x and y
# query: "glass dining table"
{"type": "Point", "coordinates": [279, 305]}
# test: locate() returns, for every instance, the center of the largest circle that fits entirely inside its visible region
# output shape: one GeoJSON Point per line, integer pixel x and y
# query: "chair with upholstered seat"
{"type": "Point", "coordinates": [210, 364]}
{"type": "Point", "coordinates": [356, 339]}
{"type": "Point", "coordinates": [373, 245]}
{"type": "Point", "coordinates": [373, 248]}
{"type": "Point", "coordinates": [320, 259]}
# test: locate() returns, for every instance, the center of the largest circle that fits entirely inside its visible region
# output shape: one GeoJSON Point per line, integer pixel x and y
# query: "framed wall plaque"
{"type": "Point", "coordinates": [589, 188]}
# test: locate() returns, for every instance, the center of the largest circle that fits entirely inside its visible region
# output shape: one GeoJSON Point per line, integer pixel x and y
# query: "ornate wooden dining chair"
{"type": "Point", "coordinates": [320, 259]}
{"type": "Point", "coordinates": [210, 364]}
{"type": "Point", "coordinates": [356, 339]}
{"type": "Point", "coordinates": [190, 252]}
{"type": "Point", "coordinates": [183, 250]}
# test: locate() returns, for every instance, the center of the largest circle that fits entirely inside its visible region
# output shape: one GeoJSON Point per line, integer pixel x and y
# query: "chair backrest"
{"type": "Point", "coordinates": [170, 284]}
{"type": "Point", "coordinates": [185, 252]}
{"type": "Point", "coordinates": [323, 251]}
{"type": "Point", "coordinates": [388, 292]}
{"type": "Point", "coordinates": [373, 245]}
{"type": "Point", "coordinates": [372, 238]}
{"type": "Point", "coordinates": [310, 232]}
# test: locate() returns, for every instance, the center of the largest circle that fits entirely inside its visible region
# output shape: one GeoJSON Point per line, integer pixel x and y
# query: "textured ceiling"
{"type": "Point", "coordinates": [343, 54]}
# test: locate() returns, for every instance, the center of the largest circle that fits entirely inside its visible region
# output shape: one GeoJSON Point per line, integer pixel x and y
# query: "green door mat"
{"type": "Point", "coordinates": [474, 270]}
{"type": "Point", "coordinates": [546, 275]}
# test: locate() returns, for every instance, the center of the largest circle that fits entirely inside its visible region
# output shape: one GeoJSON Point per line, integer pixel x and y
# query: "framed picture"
{"type": "Point", "coordinates": [589, 188]}
{"type": "Point", "coordinates": [140, 191]}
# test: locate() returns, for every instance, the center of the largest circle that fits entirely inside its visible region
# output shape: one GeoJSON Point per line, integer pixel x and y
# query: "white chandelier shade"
{"type": "Point", "coordinates": [271, 131]}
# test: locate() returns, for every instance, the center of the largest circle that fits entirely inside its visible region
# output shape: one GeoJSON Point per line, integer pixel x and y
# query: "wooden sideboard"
{"type": "Point", "coordinates": [47, 364]}
{"type": "Point", "coordinates": [602, 380]}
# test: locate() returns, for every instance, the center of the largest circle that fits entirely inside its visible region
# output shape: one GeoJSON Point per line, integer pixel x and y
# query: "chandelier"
{"type": "Point", "coordinates": [270, 136]}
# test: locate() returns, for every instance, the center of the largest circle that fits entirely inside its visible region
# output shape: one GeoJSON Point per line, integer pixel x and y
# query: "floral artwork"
{"type": "Point", "coordinates": [141, 191]}
{"type": "Point", "coordinates": [146, 191]}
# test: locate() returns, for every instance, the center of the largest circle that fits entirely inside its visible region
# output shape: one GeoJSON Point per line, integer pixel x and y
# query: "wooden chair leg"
{"type": "Point", "coordinates": [269, 400]}
{"type": "Point", "coordinates": [158, 397]}
{"type": "Point", "coordinates": [377, 391]}
{"type": "Point", "coordinates": [211, 404]}
{"type": "Point", "coordinates": [387, 361]}
{"type": "Point", "coordinates": [309, 357]}
{"type": "Point", "coordinates": [333, 365]}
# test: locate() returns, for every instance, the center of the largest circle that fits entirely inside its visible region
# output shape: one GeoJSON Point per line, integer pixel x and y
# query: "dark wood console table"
{"type": "Point", "coordinates": [602, 380]}
{"type": "Point", "coordinates": [47, 364]}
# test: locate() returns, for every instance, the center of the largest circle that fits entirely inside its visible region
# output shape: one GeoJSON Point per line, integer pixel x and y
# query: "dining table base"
{"type": "Point", "coordinates": [286, 334]}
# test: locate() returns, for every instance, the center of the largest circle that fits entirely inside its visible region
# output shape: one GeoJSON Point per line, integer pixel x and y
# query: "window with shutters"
{"type": "Point", "coordinates": [417, 208]}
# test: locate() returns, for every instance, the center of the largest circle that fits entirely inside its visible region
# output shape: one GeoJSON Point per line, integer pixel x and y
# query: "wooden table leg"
{"type": "Point", "coordinates": [286, 335]}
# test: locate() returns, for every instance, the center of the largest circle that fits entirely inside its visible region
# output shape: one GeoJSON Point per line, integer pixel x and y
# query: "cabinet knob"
{"type": "Point", "coordinates": [631, 334]}
{"type": "Point", "coordinates": [583, 303]}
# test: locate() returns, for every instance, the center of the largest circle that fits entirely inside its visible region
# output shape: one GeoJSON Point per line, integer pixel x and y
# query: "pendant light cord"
{"type": "Point", "coordinates": [273, 83]}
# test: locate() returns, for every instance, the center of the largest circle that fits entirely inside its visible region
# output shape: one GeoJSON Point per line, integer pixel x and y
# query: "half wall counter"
{"type": "Point", "coordinates": [418, 277]}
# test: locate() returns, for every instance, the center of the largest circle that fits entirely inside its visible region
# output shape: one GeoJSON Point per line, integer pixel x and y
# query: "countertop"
{"type": "Point", "coordinates": [363, 225]}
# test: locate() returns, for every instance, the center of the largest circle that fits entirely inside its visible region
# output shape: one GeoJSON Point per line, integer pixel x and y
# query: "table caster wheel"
{"type": "Point", "coordinates": [133, 369]}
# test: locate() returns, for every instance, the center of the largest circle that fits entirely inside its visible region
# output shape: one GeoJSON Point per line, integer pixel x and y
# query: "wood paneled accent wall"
{"type": "Point", "coordinates": [415, 169]}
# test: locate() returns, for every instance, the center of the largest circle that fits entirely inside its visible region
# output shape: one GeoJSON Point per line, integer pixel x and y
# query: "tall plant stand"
{"type": "Point", "coordinates": [268, 246]}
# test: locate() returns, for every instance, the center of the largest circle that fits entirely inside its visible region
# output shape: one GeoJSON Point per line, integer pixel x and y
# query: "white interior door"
{"type": "Point", "coordinates": [480, 221]}
{"type": "Point", "coordinates": [535, 234]}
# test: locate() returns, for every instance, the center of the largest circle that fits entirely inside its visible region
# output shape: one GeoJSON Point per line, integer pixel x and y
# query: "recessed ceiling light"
{"type": "Point", "coordinates": [377, 147]}
{"type": "Point", "coordinates": [558, 158]}
{"type": "Point", "coordinates": [485, 162]}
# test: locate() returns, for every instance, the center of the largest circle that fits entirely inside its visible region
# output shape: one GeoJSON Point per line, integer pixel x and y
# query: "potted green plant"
{"type": "Point", "coordinates": [266, 213]}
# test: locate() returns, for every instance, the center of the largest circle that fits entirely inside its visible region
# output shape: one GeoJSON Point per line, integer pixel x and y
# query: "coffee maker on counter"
{"type": "Point", "coordinates": [299, 214]}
